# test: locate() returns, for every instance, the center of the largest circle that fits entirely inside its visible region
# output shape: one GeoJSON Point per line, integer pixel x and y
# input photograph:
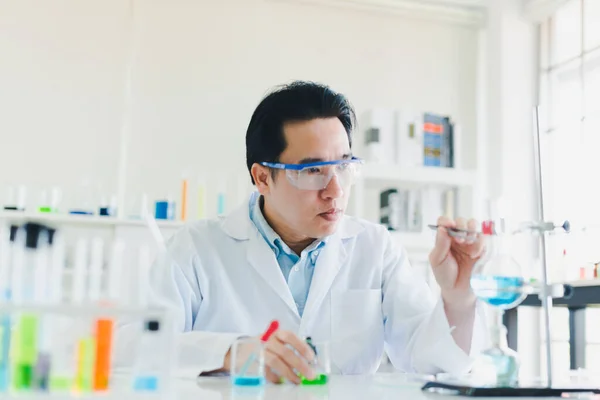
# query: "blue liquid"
{"type": "Point", "coordinates": [499, 291]}
{"type": "Point", "coordinates": [81, 212]}
{"type": "Point", "coordinates": [248, 380]}
{"type": "Point", "coordinates": [220, 204]}
{"type": "Point", "coordinates": [145, 384]}
{"type": "Point", "coordinates": [4, 353]}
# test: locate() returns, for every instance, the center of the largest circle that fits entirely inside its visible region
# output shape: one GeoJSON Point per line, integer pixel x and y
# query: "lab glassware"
{"type": "Point", "coordinates": [248, 362]}
{"type": "Point", "coordinates": [498, 280]}
{"type": "Point", "coordinates": [321, 363]}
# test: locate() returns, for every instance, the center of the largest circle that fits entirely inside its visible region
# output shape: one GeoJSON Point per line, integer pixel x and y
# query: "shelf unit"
{"type": "Point", "coordinates": [83, 221]}
{"type": "Point", "coordinates": [418, 176]}
{"type": "Point", "coordinates": [417, 244]}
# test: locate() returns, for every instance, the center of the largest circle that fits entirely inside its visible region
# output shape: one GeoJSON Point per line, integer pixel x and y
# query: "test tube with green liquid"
{"type": "Point", "coordinates": [82, 327]}
{"type": "Point", "coordinates": [49, 205]}
{"type": "Point", "coordinates": [29, 266]}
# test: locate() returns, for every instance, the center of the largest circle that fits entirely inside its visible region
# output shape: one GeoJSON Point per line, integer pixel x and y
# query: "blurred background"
{"type": "Point", "coordinates": [118, 106]}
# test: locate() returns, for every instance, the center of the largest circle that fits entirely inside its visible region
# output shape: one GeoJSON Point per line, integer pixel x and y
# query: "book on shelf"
{"type": "Point", "coordinates": [409, 139]}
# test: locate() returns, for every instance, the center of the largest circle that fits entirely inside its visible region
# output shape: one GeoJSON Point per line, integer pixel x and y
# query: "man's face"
{"type": "Point", "coordinates": [311, 213]}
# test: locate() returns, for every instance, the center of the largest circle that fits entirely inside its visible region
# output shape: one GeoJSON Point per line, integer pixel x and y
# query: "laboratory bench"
{"type": "Point", "coordinates": [384, 386]}
{"type": "Point", "coordinates": [586, 293]}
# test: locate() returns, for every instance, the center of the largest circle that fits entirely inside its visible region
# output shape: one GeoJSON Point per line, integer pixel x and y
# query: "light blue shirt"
{"type": "Point", "coordinates": [297, 270]}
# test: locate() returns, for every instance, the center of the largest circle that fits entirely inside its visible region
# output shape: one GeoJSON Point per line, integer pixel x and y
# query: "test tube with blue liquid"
{"type": "Point", "coordinates": [150, 355]}
{"type": "Point", "coordinates": [5, 297]}
{"type": "Point", "coordinates": [221, 191]}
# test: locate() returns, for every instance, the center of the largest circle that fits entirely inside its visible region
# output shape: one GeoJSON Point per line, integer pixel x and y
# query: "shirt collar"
{"type": "Point", "coordinates": [272, 237]}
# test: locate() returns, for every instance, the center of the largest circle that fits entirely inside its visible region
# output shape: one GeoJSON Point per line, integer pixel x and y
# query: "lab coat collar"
{"type": "Point", "coordinates": [239, 226]}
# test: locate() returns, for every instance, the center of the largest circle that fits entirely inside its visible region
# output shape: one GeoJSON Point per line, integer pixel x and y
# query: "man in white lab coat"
{"type": "Point", "coordinates": [290, 254]}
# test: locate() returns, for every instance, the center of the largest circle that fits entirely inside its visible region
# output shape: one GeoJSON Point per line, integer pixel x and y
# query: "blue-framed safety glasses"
{"type": "Point", "coordinates": [317, 175]}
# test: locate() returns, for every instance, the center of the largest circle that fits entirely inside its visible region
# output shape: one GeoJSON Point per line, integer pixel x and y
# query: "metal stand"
{"type": "Point", "coordinates": [545, 296]}
{"type": "Point", "coordinates": [546, 293]}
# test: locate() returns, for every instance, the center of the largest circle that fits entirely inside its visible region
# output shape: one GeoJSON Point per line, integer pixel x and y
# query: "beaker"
{"type": "Point", "coordinates": [247, 362]}
{"type": "Point", "coordinates": [321, 363]}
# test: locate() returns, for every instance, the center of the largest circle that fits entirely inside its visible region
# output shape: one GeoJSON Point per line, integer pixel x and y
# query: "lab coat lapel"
{"type": "Point", "coordinates": [262, 258]}
{"type": "Point", "coordinates": [330, 261]}
{"type": "Point", "coordinates": [328, 265]}
{"type": "Point", "coordinates": [258, 253]}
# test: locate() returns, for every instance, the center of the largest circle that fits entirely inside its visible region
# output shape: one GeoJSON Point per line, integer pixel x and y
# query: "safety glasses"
{"type": "Point", "coordinates": [317, 175]}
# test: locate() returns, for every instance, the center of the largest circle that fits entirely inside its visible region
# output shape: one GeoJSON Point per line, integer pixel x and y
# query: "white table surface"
{"type": "Point", "coordinates": [384, 386]}
{"type": "Point", "coordinates": [380, 386]}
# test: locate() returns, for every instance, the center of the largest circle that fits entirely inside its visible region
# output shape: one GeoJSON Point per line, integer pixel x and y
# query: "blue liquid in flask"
{"type": "Point", "coordinates": [499, 291]}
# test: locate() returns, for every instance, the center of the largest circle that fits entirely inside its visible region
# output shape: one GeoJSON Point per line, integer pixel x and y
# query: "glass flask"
{"type": "Point", "coordinates": [497, 280]}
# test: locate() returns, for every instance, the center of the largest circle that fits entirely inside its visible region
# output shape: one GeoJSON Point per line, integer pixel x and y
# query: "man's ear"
{"type": "Point", "coordinates": [262, 178]}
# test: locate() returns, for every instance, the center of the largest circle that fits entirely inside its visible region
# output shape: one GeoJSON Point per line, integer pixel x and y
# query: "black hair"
{"type": "Point", "coordinates": [296, 101]}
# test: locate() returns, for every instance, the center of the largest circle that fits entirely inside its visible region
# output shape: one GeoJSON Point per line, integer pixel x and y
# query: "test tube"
{"type": "Point", "coordinates": [149, 359]}
{"type": "Point", "coordinates": [83, 200]}
{"type": "Point", "coordinates": [105, 326]}
{"type": "Point", "coordinates": [221, 198]}
{"type": "Point", "coordinates": [25, 335]}
{"type": "Point", "coordinates": [15, 198]}
{"type": "Point", "coordinates": [184, 197]}
{"type": "Point", "coordinates": [61, 348]}
{"type": "Point", "coordinates": [68, 378]}
{"type": "Point", "coordinates": [50, 205]}
{"type": "Point", "coordinates": [5, 248]}
{"type": "Point", "coordinates": [40, 296]}
{"type": "Point", "coordinates": [86, 349]}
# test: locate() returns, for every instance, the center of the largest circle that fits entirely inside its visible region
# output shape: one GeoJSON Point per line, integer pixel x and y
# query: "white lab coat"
{"type": "Point", "coordinates": [224, 282]}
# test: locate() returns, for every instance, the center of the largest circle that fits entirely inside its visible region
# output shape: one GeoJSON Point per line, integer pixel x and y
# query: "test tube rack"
{"type": "Point", "coordinates": [121, 379]}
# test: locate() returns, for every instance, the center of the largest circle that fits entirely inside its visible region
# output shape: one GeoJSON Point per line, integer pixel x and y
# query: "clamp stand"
{"type": "Point", "coordinates": [546, 293]}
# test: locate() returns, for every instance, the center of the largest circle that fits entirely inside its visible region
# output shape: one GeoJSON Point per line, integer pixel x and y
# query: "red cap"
{"type": "Point", "coordinates": [272, 328]}
{"type": "Point", "coordinates": [487, 227]}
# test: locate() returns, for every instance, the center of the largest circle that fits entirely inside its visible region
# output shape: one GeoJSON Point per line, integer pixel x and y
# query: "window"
{"type": "Point", "coordinates": [570, 100]}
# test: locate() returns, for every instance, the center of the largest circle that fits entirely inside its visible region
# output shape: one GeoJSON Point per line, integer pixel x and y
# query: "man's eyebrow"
{"type": "Point", "coordinates": [309, 160]}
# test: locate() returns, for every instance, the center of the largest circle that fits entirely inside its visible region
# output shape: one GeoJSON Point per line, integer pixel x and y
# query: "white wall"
{"type": "Point", "coordinates": [201, 68]}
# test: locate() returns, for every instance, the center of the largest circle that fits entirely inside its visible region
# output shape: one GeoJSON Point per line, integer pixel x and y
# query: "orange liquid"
{"type": "Point", "coordinates": [184, 196]}
{"type": "Point", "coordinates": [104, 333]}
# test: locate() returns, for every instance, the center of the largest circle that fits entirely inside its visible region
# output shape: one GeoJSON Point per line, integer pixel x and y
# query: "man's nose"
{"type": "Point", "coordinates": [334, 189]}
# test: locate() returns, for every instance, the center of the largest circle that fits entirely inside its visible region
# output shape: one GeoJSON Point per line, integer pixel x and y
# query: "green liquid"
{"type": "Point", "coordinates": [61, 383]}
{"type": "Point", "coordinates": [22, 377]}
{"type": "Point", "coordinates": [24, 351]}
{"type": "Point", "coordinates": [321, 379]}
{"type": "Point", "coordinates": [45, 209]}
{"type": "Point", "coordinates": [85, 368]}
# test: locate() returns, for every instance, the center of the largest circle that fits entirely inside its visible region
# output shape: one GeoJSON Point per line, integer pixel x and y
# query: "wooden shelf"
{"type": "Point", "coordinates": [81, 220]}
{"type": "Point", "coordinates": [418, 176]}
